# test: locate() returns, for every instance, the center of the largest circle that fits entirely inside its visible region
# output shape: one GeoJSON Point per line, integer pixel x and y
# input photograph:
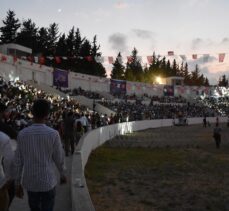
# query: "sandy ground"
{"type": "Point", "coordinates": [174, 168]}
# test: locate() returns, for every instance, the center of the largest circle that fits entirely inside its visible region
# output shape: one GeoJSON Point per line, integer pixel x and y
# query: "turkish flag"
{"type": "Point", "coordinates": [30, 58]}
{"type": "Point", "coordinates": [194, 56]}
{"type": "Point", "coordinates": [41, 60]}
{"type": "Point", "coordinates": [150, 59]}
{"type": "Point", "coordinates": [170, 53]}
{"type": "Point", "coordinates": [88, 58]}
{"type": "Point", "coordinates": [221, 57]}
{"type": "Point", "coordinates": [57, 59]}
{"type": "Point", "coordinates": [129, 59]}
{"type": "Point", "coordinates": [110, 59]}
{"type": "Point", "coordinates": [3, 58]}
{"type": "Point", "coordinates": [15, 59]}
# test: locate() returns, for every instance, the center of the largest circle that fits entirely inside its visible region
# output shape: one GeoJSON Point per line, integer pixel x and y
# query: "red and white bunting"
{"type": "Point", "coordinates": [150, 59]}
{"type": "Point", "coordinates": [129, 59]}
{"type": "Point", "coordinates": [221, 57]}
{"type": "Point", "coordinates": [194, 56]}
{"type": "Point", "coordinates": [110, 59]}
{"type": "Point", "coordinates": [170, 53]}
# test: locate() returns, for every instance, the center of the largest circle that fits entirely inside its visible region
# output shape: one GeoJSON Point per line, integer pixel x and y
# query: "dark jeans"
{"type": "Point", "coordinates": [42, 201]}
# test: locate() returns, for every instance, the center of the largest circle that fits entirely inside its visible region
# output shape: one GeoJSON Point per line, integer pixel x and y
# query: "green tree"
{"type": "Point", "coordinates": [70, 41]}
{"type": "Point", "coordinates": [28, 35]}
{"type": "Point", "coordinates": [42, 41]}
{"type": "Point", "coordinates": [53, 35]}
{"type": "Point", "coordinates": [195, 75]}
{"type": "Point", "coordinates": [186, 75]}
{"type": "Point", "coordinates": [223, 81]}
{"type": "Point", "coordinates": [118, 68]}
{"type": "Point", "coordinates": [9, 28]}
{"type": "Point", "coordinates": [134, 68]}
{"type": "Point", "coordinates": [78, 42]}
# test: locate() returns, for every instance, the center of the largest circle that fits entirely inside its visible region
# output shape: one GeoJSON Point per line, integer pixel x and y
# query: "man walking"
{"type": "Point", "coordinates": [217, 135]}
{"type": "Point", "coordinates": [39, 148]}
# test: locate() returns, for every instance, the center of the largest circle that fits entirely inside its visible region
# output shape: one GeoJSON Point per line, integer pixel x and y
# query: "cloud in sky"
{"type": "Point", "coordinates": [121, 5]}
{"type": "Point", "coordinates": [144, 34]}
{"type": "Point", "coordinates": [196, 43]}
{"type": "Point", "coordinates": [118, 42]}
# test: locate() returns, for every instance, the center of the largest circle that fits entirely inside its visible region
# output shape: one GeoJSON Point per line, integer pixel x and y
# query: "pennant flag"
{"type": "Point", "coordinates": [31, 59]}
{"type": "Point", "coordinates": [119, 58]}
{"type": "Point", "coordinates": [57, 59]}
{"type": "Point", "coordinates": [129, 59]}
{"type": "Point", "coordinates": [36, 59]}
{"type": "Point", "coordinates": [50, 57]}
{"type": "Point", "coordinates": [15, 59]}
{"type": "Point", "coordinates": [3, 58]}
{"type": "Point", "coordinates": [205, 57]}
{"type": "Point", "coordinates": [88, 58]}
{"type": "Point", "coordinates": [139, 58]}
{"type": "Point", "coordinates": [170, 53]}
{"type": "Point", "coordinates": [183, 57]}
{"type": "Point", "coordinates": [110, 59]}
{"type": "Point", "coordinates": [221, 57]}
{"type": "Point", "coordinates": [150, 59]}
{"type": "Point", "coordinates": [194, 56]}
{"type": "Point", "coordinates": [99, 59]}
{"type": "Point", "coordinates": [41, 60]}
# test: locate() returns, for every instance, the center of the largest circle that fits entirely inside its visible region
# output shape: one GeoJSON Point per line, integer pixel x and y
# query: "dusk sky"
{"type": "Point", "coordinates": [184, 26]}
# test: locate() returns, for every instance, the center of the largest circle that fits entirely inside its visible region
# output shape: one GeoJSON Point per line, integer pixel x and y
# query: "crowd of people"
{"type": "Point", "coordinates": [140, 111]}
{"type": "Point", "coordinates": [220, 104]}
{"type": "Point", "coordinates": [47, 127]}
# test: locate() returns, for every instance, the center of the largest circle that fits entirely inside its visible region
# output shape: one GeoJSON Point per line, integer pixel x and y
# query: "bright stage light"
{"type": "Point", "coordinates": [158, 80]}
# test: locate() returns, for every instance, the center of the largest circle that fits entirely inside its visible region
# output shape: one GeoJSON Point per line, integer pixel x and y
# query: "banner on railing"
{"type": "Point", "coordinates": [118, 86]}
{"type": "Point", "coordinates": [60, 78]}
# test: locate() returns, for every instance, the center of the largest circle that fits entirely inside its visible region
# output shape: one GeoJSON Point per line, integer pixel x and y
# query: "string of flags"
{"type": "Point", "coordinates": [110, 59]}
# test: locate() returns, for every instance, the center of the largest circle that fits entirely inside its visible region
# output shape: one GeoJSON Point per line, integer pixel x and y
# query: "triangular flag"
{"type": "Point", "coordinates": [36, 59]}
{"type": "Point", "coordinates": [119, 58]}
{"type": "Point", "coordinates": [194, 56]}
{"type": "Point", "coordinates": [183, 57]}
{"type": "Point", "coordinates": [50, 57]}
{"type": "Point", "coordinates": [129, 59]}
{"type": "Point", "coordinates": [150, 59]}
{"type": "Point", "coordinates": [41, 60]}
{"type": "Point", "coordinates": [221, 57]}
{"type": "Point", "coordinates": [31, 59]}
{"type": "Point", "coordinates": [99, 59]}
{"type": "Point", "coordinates": [57, 59]}
{"type": "Point", "coordinates": [110, 59]}
{"type": "Point", "coordinates": [88, 58]}
{"type": "Point", "coordinates": [139, 58]}
{"type": "Point", "coordinates": [170, 53]}
{"type": "Point", "coordinates": [15, 59]}
{"type": "Point", "coordinates": [205, 57]}
{"type": "Point", "coordinates": [3, 58]}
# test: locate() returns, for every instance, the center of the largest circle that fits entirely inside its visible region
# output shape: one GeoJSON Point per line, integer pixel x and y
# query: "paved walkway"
{"type": "Point", "coordinates": [63, 195]}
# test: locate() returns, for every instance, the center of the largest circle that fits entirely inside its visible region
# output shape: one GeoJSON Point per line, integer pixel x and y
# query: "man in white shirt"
{"type": "Point", "coordinates": [6, 170]}
{"type": "Point", "coordinates": [39, 149]}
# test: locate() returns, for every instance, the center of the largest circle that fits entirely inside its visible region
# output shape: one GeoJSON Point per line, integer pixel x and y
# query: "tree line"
{"type": "Point", "coordinates": [81, 54]}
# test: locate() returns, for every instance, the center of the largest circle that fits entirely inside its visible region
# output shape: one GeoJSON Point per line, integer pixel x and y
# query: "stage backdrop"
{"type": "Point", "coordinates": [168, 90]}
{"type": "Point", "coordinates": [118, 87]}
{"type": "Point", "coordinates": [60, 78]}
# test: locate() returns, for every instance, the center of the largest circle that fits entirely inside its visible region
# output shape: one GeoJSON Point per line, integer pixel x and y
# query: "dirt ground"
{"type": "Point", "coordinates": [174, 168]}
